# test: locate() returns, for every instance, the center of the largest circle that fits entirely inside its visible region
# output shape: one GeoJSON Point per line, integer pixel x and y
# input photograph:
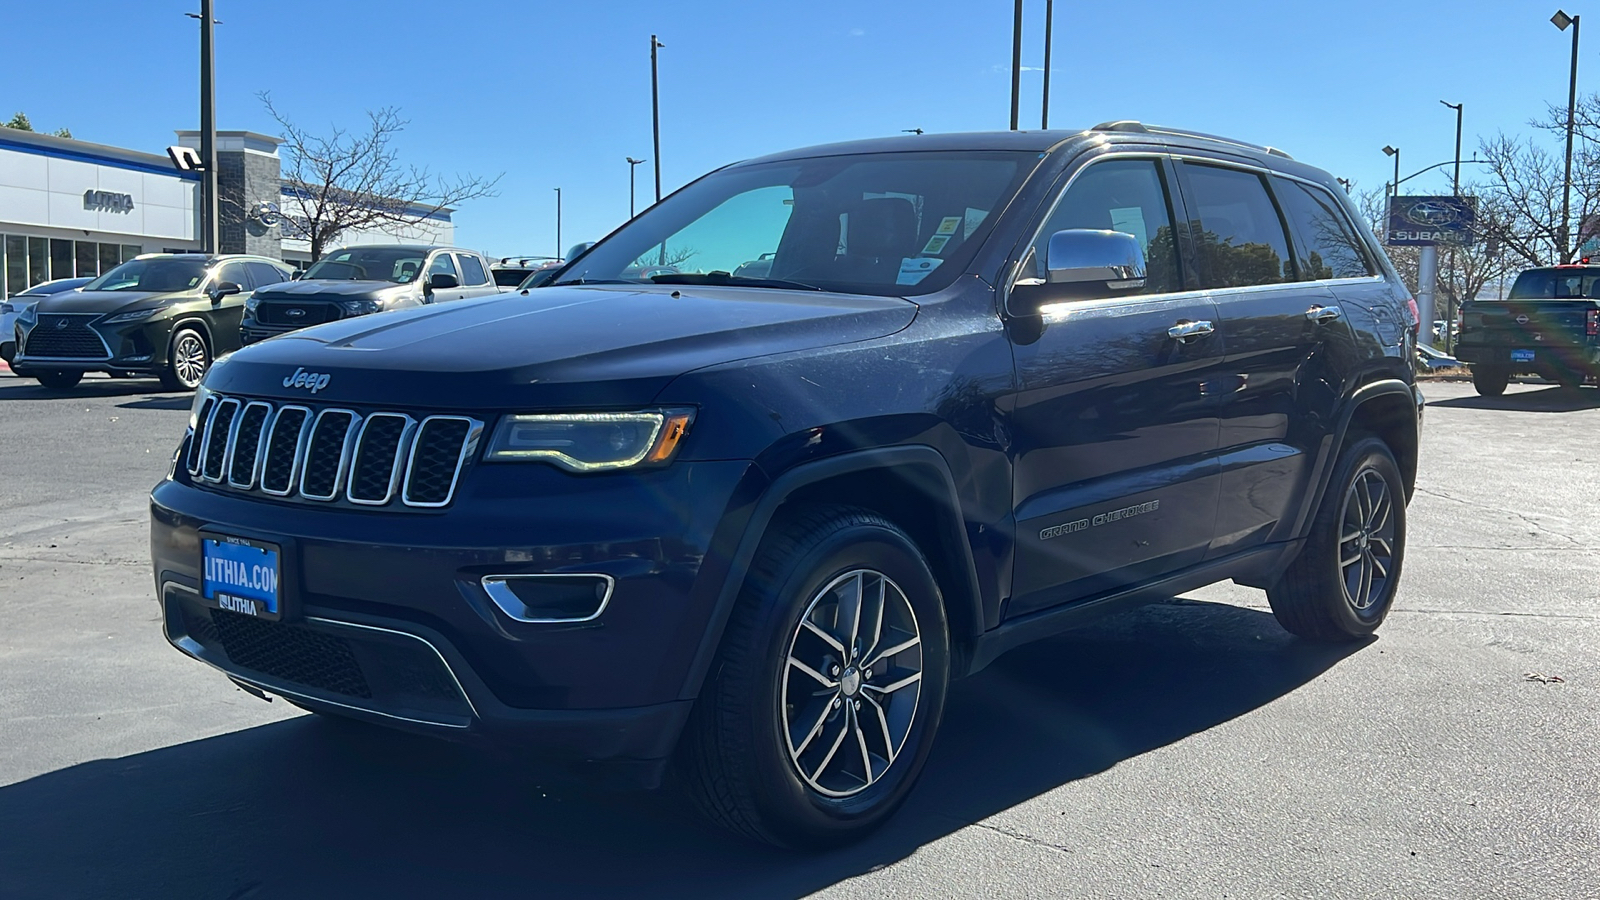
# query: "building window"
{"type": "Point", "coordinates": [60, 258]}
{"type": "Point", "coordinates": [110, 256]}
{"type": "Point", "coordinates": [16, 262]}
{"type": "Point", "coordinates": [88, 253]}
{"type": "Point", "coordinates": [129, 251]}
{"type": "Point", "coordinates": [38, 260]}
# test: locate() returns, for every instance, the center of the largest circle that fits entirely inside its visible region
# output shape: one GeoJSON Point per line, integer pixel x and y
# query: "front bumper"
{"type": "Point", "coordinates": [131, 348]}
{"type": "Point", "coordinates": [386, 618]}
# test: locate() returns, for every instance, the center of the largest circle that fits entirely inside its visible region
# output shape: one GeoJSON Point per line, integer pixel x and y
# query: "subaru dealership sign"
{"type": "Point", "coordinates": [1430, 221]}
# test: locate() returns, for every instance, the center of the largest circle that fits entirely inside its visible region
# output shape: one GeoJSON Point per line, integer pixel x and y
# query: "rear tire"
{"type": "Point", "coordinates": [57, 379]}
{"type": "Point", "coordinates": [812, 728]}
{"type": "Point", "coordinates": [1490, 381]}
{"type": "Point", "coordinates": [1343, 582]}
{"type": "Point", "coordinates": [188, 360]}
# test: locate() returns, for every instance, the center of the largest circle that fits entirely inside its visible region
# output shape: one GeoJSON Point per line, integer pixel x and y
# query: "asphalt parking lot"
{"type": "Point", "coordinates": [1189, 749]}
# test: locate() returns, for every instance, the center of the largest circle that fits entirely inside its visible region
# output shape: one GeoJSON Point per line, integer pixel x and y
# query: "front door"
{"type": "Point", "coordinates": [1115, 427]}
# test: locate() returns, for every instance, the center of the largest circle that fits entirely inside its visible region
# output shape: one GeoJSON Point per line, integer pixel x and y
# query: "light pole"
{"type": "Point", "coordinates": [1394, 152]}
{"type": "Point", "coordinates": [631, 164]}
{"type": "Point", "coordinates": [655, 109]}
{"type": "Point", "coordinates": [1049, 16]}
{"type": "Point", "coordinates": [1455, 180]}
{"type": "Point", "coordinates": [1561, 20]}
{"type": "Point", "coordinates": [558, 223]}
{"type": "Point", "coordinates": [1455, 189]}
{"type": "Point", "coordinates": [1016, 63]}
{"type": "Point", "coordinates": [208, 127]}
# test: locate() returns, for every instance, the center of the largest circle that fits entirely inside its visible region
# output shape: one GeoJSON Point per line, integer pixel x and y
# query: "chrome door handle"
{"type": "Point", "coordinates": [1322, 315]}
{"type": "Point", "coordinates": [1184, 332]}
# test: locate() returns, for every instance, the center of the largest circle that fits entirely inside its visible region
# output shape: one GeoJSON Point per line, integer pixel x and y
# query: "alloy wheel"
{"type": "Point", "coordinates": [1366, 540]}
{"type": "Point", "coordinates": [189, 359]}
{"type": "Point", "coordinates": [851, 682]}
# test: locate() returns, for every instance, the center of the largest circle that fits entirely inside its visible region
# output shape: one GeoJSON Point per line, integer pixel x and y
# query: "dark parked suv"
{"type": "Point", "coordinates": [989, 386]}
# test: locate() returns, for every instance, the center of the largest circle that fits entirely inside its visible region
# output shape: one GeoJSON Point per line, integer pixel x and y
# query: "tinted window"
{"type": "Point", "coordinates": [236, 273]}
{"type": "Point", "coordinates": [164, 275]}
{"type": "Point", "coordinates": [1237, 231]}
{"type": "Point", "coordinates": [266, 273]}
{"type": "Point", "coordinates": [472, 269]}
{"type": "Point", "coordinates": [442, 265]}
{"type": "Point", "coordinates": [883, 223]}
{"type": "Point", "coordinates": [396, 264]}
{"type": "Point", "coordinates": [1125, 195]}
{"type": "Point", "coordinates": [509, 277]}
{"type": "Point", "coordinates": [1557, 284]}
{"type": "Point", "coordinates": [1325, 244]}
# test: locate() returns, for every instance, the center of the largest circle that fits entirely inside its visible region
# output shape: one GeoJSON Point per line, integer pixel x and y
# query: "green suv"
{"type": "Point", "coordinates": [162, 314]}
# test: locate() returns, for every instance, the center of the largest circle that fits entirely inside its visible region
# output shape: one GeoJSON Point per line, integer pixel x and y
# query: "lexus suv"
{"type": "Point", "coordinates": [751, 526]}
{"type": "Point", "coordinates": [357, 281]}
{"type": "Point", "coordinates": [163, 314]}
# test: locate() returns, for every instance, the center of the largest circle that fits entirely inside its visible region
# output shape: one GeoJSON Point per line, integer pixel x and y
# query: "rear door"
{"type": "Point", "coordinates": [1277, 394]}
{"type": "Point", "coordinates": [475, 279]}
{"type": "Point", "coordinates": [227, 312]}
{"type": "Point", "coordinates": [1114, 430]}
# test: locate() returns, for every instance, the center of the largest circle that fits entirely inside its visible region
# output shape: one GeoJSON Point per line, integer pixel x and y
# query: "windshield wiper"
{"type": "Point", "coordinates": [720, 278]}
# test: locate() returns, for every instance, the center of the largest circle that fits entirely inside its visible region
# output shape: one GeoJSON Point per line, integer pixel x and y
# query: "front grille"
{"type": "Point", "coordinates": [66, 336]}
{"type": "Point", "coordinates": [292, 653]}
{"type": "Point", "coordinates": [330, 454]}
{"type": "Point", "coordinates": [284, 313]}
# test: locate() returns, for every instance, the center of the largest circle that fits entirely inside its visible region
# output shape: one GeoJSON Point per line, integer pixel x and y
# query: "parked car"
{"type": "Point", "coordinates": [10, 309]}
{"type": "Point", "coordinates": [1549, 325]}
{"type": "Point", "coordinates": [983, 393]}
{"type": "Point", "coordinates": [358, 281]}
{"type": "Point", "coordinates": [163, 314]}
{"type": "Point", "coordinates": [511, 272]}
{"type": "Point", "coordinates": [1429, 358]}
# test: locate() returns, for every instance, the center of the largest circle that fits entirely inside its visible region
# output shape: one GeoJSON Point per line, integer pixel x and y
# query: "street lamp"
{"type": "Point", "coordinates": [558, 223]}
{"type": "Point", "coordinates": [631, 164]}
{"type": "Point", "coordinates": [1561, 20]}
{"type": "Point", "coordinates": [1394, 152]}
{"type": "Point", "coordinates": [1016, 63]}
{"type": "Point", "coordinates": [1049, 16]}
{"type": "Point", "coordinates": [655, 109]}
{"type": "Point", "coordinates": [209, 239]}
{"type": "Point", "coordinates": [1455, 181]}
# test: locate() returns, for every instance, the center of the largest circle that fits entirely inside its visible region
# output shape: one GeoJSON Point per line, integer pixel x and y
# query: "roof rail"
{"type": "Point", "coordinates": [1137, 127]}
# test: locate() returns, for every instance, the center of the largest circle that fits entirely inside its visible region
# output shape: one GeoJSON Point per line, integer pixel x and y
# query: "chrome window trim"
{"type": "Point", "coordinates": [468, 447]}
{"type": "Point", "coordinates": [395, 469]}
{"type": "Point", "coordinates": [502, 595]}
{"type": "Point", "coordinates": [344, 453]}
{"type": "Point", "coordinates": [260, 454]}
{"type": "Point", "coordinates": [227, 447]}
{"type": "Point", "coordinates": [299, 447]}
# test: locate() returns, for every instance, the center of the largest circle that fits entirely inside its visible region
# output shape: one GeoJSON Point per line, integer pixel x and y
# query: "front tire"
{"type": "Point", "coordinates": [1342, 584]}
{"type": "Point", "coordinates": [1490, 381]}
{"type": "Point", "coordinates": [188, 359]}
{"type": "Point", "coordinates": [828, 688]}
{"type": "Point", "coordinates": [57, 379]}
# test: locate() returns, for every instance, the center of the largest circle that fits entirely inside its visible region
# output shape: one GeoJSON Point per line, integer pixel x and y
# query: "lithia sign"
{"type": "Point", "coordinates": [108, 201]}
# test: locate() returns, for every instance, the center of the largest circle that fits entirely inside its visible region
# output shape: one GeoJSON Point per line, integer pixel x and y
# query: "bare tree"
{"type": "Point", "coordinates": [1527, 182]}
{"type": "Point", "coordinates": [346, 180]}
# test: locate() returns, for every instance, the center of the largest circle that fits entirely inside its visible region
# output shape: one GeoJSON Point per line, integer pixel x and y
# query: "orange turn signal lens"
{"type": "Point", "coordinates": [672, 432]}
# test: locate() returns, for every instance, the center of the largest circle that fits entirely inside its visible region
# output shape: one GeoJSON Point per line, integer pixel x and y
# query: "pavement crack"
{"type": "Point", "coordinates": [1024, 838]}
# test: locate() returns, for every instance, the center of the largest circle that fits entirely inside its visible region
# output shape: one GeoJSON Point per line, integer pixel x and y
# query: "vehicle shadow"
{"type": "Point", "coordinates": [16, 387]}
{"type": "Point", "coordinates": [1544, 399]}
{"type": "Point", "coordinates": [310, 808]}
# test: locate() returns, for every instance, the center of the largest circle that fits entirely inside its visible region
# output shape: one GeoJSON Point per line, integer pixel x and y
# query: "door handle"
{"type": "Point", "coordinates": [1322, 315]}
{"type": "Point", "coordinates": [1184, 332]}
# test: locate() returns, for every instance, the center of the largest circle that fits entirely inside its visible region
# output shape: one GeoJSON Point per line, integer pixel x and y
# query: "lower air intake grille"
{"type": "Point", "coordinates": [292, 653]}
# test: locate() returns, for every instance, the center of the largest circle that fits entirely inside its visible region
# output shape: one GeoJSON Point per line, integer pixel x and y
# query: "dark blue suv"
{"type": "Point", "coordinates": [750, 520]}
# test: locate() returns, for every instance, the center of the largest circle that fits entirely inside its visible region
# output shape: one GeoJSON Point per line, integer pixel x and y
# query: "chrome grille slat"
{"type": "Point", "coordinates": [330, 455]}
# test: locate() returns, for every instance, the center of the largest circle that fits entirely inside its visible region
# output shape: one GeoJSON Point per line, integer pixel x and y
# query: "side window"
{"type": "Point", "coordinates": [1127, 195]}
{"type": "Point", "coordinates": [1237, 231]}
{"type": "Point", "coordinates": [1326, 244]}
{"type": "Point", "coordinates": [236, 273]}
{"type": "Point", "coordinates": [442, 265]}
{"type": "Point", "coordinates": [266, 273]}
{"type": "Point", "coordinates": [472, 269]}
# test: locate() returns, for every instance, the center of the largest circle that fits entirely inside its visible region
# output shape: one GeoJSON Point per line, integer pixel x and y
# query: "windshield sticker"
{"type": "Point", "coordinates": [973, 219]}
{"type": "Point", "coordinates": [948, 225]}
{"type": "Point", "coordinates": [936, 244]}
{"type": "Point", "coordinates": [912, 271]}
{"type": "Point", "coordinates": [1130, 220]}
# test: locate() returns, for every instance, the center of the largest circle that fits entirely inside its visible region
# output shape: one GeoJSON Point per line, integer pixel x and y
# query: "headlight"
{"type": "Point", "coordinates": [28, 314]}
{"type": "Point", "coordinates": [7, 309]}
{"type": "Point", "coordinates": [591, 442]}
{"type": "Point", "coordinates": [134, 316]}
{"type": "Point", "coordinates": [200, 397]}
{"type": "Point", "coordinates": [250, 303]}
{"type": "Point", "coordinates": [361, 307]}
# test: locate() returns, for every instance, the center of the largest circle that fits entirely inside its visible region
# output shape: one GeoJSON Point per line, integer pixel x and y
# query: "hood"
{"type": "Point", "coordinates": [566, 347]}
{"type": "Point", "coordinates": [329, 289]}
{"type": "Point", "coordinates": [104, 301]}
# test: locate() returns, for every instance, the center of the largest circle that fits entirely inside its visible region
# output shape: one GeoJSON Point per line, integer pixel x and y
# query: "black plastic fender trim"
{"type": "Point", "coordinates": [1331, 444]}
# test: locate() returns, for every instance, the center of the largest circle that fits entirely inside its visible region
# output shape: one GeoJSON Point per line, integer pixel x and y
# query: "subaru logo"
{"type": "Point", "coordinates": [294, 312]}
{"type": "Point", "coordinates": [1431, 213]}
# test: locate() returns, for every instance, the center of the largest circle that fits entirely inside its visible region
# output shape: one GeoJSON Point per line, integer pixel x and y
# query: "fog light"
{"type": "Point", "coordinates": [550, 599]}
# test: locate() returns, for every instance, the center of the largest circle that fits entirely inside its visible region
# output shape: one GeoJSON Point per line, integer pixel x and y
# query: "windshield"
{"type": "Point", "coordinates": [889, 223]}
{"type": "Point", "coordinates": [1557, 284]}
{"type": "Point", "coordinates": [158, 275]}
{"type": "Point", "coordinates": [400, 265]}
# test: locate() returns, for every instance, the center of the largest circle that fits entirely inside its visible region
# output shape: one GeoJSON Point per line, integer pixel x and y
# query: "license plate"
{"type": "Point", "coordinates": [241, 575]}
{"type": "Point", "coordinates": [1522, 356]}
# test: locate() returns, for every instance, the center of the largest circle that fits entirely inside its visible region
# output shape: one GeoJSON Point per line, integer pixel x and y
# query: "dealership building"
{"type": "Point", "coordinates": [70, 208]}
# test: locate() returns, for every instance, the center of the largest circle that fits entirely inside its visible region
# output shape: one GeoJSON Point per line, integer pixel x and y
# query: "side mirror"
{"type": "Point", "coordinates": [440, 281]}
{"type": "Point", "coordinates": [1083, 264]}
{"type": "Point", "coordinates": [224, 289]}
{"type": "Point", "coordinates": [297, 274]}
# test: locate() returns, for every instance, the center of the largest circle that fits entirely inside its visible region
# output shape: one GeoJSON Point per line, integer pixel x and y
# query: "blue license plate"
{"type": "Point", "coordinates": [241, 575]}
{"type": "Point", "coordinates": [1522, 356]}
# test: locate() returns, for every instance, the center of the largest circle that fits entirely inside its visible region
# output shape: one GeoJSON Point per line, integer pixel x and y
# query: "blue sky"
{"type": "Point", "coordinates": [556, 94]}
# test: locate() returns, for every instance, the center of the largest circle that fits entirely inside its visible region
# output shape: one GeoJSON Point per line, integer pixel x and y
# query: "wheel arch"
{"type": "Point", "coordinates": [193, 322]}
{"type": "Point", "coordinates": [912, 487]}
{"type": "Point", "coordinates": [1388, 408]}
